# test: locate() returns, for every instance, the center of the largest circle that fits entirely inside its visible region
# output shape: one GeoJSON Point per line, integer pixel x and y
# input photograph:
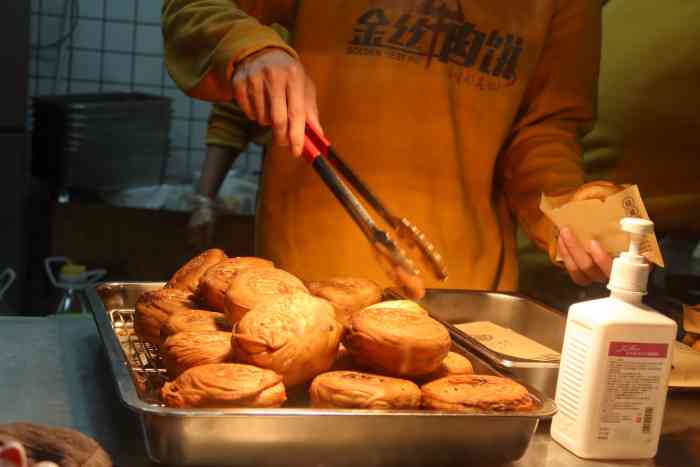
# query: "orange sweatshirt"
{"type": "Point", "coordinates": [458, 113]}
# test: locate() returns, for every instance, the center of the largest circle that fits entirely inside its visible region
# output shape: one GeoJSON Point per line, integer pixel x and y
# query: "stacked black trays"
{"type": "Point", "coordinates": [100, 142]}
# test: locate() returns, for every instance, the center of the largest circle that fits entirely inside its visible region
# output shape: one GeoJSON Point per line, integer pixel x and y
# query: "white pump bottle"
{"type": "Point", "coordinates": [615, 365]}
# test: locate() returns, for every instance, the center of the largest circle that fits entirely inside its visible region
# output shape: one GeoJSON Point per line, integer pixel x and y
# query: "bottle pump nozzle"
{"type": "Point", "coordinates": [630, 271]}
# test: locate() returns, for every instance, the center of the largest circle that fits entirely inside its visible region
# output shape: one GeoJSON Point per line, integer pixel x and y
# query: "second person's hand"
{"type": "Point", "coordinates": [584, 265]}
{"type": "Point", "coordinates": [273, 89]}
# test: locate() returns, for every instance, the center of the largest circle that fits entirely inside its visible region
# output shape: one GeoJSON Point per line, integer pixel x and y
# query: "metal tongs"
{"type": "Point", "coordinates": [318, 152]}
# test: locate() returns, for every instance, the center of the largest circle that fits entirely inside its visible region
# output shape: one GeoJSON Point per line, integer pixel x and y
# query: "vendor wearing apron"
{"type": "Point", "coordinates": [458, 113]}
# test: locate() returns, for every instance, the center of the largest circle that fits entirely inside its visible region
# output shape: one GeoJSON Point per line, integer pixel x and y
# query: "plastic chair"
{"type": "Point", "coordinates": [73, 279]}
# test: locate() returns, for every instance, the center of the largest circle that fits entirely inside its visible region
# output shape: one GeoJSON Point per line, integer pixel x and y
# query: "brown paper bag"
{"type": "Point", "coordinates": [593, 219]}
{"type": "Point", "coordinates": [691, 318]}
{"type": "Point", "coordinates": [685, 368]}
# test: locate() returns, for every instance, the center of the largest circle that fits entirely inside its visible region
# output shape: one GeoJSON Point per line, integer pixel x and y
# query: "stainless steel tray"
{"type": "Point", "coordinates": [519, 313]}
{"type": "Point", "coordinates": [296, 435]}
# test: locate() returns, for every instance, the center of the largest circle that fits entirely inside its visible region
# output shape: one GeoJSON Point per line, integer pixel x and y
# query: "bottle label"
{"type": "Point", "coordinates": [634, 385]}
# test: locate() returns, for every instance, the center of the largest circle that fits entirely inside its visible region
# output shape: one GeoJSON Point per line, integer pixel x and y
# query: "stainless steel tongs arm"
{"type": "Point", "coordinates": [380, 239]}
{"type": "Point", "coordinates": [406, 229]}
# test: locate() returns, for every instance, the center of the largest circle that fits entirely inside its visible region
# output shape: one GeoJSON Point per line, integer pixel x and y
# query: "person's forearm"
{"type": "Point", "coordinates": [218, 161]}
{"type": "Point", "coordinates": [544, 154]}
{"type": "Point", "coordinates": [205, 39]}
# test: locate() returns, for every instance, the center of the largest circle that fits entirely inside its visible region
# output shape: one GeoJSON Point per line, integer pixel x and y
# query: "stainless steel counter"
{"type": "Point", "coordinates": [53, 371]}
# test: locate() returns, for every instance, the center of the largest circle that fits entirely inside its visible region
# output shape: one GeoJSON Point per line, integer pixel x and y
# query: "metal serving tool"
{"type": "Point", "coordinates": [321, 155]}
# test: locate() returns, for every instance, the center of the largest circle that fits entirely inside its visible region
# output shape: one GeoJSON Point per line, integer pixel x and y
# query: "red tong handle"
{"type": "Point", "coordinates": [315, 144]}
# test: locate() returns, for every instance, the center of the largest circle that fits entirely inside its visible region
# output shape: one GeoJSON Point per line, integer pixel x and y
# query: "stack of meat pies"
{"type": "Point", "coordinates": [239, 332]}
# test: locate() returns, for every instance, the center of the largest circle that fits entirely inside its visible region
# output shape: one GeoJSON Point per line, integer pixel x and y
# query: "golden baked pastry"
{"type": "Point", "coordinates": [453, 364]}
{"type": "Point", "coordinates": [188, 349]}
{"type": "Point", "coordinates": [406, 305]}
{"type": "Point", "coordinates": [194, 320]}
{"type": "Point", "coordinates": [188, 276]}
{"type": "Point", "coordinates": [346, 294]}
{"type": "Point", "coordinates": [217, 279]}
{"type": "Point", "coordinates": [254, 286]}
{"type": "Point", "coordinates": [355, 390]}
{"type": "Point", "coordinates": [155, 307]}
{"type": "Point", "coordinates": [397, 342]}
{"type": "Point", "coordinates": [595, 190]}
{"type": "Point", "coordinates": [222, 385]}
{"type": "Point", "coordinates": [476, 393]}
{"type": "Point", "coordinates": [295, 335]}
{"type": "Point", "coordinates": [696, 345]}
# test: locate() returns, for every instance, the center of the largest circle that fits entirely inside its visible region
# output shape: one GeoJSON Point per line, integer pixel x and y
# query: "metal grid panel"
{"type": "Point", "coordinates": [80, 46]}
{"type": "Point", "coordinates": [144, 362]}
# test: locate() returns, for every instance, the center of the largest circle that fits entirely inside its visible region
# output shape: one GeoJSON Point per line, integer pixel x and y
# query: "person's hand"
{"type": "Point", "coordinates": [584, 265]}
{"type": "Point", "coordinates": [201, 226]}
{"type": "Point", "coordinates": [273, 89]}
